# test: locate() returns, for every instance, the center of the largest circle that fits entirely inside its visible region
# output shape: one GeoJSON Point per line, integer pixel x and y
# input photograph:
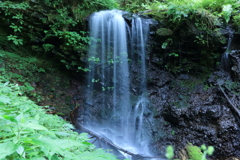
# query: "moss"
{"type": "Point", "coordinates": [164, 32]}
{"type": "Point", "coordinates": [194, 152]}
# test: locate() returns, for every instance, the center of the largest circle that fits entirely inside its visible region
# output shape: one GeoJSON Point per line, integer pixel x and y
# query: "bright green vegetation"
{"type": "Point", "coordinates": [53, 27]}
{"type": "Point", "coordinates": [190, 29]}
{"type": "Point", "coordinates": [194, 152]}
{"type": "Point", "coordinates": [21, 70]}
{"type": "Point", "coordinates": [27, 132]}
{"type": "Point", "coordinates": [58, 28]}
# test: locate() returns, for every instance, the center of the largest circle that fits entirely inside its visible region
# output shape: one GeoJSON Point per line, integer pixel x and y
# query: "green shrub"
{"type": "Point", "coordinates": [27, 132]}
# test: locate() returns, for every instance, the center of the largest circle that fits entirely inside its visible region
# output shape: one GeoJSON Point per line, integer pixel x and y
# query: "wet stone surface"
{"type": "Point", "coordinates": [193, 114]}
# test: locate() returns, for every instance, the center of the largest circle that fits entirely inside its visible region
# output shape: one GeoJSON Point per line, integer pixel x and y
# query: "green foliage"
{"type": "Point", "coordinates": [74, 40]}
{"type": "Point", "coordinates": [27, 132]}
{"type": "Point", "coordinates": [15, 27]}
{"type": "Point", "coordinates": [136, 5]}
{"type": "Point", "coordinates": [169, 152]}
{"type": "Point", "coordinates": [15, 40]}
{"type": "Point", "coordinates": [207, 150]}
{"type": "Point", "coordinates": [217, 5]}
{"type": "Point", "coordinates": [48, 47]}
{"type": "Point", "coordinates": [21, 70]}
{"type": "Point", "coordinates": [179, 10]}
{"type": "Point", "coordinates": [166, 43]}
{"type": "Point", "coordinates": [56, 27]}
{"type": "Point", "coordinates": [194, 28]}
{"type": "Point", "coordinates": [194, 152]}
{"type": "Point", "coordinates": [227, 11]}
{"type": "Point", "coordinates": [236, 21]}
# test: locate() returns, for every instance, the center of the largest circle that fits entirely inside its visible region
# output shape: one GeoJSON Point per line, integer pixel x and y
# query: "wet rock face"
{"type": "Point", "coordinates": [235, 62]}
{"type": "Point", "coordinates": [185, 112]}
{"type": "Point", "coordinates": [212, 125]}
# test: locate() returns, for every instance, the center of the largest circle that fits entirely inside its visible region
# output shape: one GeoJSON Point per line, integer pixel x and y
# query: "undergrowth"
{"type": "Point", "coordinates": [23, 71]}
{"type": "Point", "coordinates": [27, 132]}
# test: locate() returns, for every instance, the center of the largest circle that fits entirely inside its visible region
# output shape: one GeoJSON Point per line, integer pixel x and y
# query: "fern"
{"type": "Point", "coordinates": [227, 12]}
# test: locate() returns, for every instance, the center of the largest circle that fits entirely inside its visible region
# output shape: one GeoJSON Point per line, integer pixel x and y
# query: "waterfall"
{"type": "Point", "coordinates": [225, 62]}
{"type": "Point", "coordinates": [120, 118]}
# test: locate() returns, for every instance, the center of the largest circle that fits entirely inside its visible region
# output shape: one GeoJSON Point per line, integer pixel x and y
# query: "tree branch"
{"type": "Point", "coordinates": [232, 105]}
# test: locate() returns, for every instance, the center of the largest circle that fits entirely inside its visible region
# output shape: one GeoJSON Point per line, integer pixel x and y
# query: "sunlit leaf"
{"type": "Point", "coordinates": [6, 149]}
{"type": "Point", "coordinates": [34, 126]}
{"type": "Point", "coordinates": [10, 118]}
{"type": "Point", "coordinates": [20, 151]}
{"type": "Point", "coordinates": [4, 100]}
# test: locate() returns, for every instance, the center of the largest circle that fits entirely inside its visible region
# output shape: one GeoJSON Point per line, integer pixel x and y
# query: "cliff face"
{"type": "Point", "coordinates": [197, 108]}
{"type": "Point", "coordinates": [189, 111]}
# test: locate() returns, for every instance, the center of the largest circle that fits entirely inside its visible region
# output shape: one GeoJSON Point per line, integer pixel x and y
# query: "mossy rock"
{"type": "Point", "coordinates": [194, 152]}
{"type": "Point", "coordinates": [164, 32]}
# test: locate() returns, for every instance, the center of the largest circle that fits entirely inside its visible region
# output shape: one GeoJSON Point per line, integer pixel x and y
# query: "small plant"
{"type": "Point", "coordinates": [15, 27]}
{"type": "Point", "coordinates": [194, 152]}
{"type": "Point", "coordinates": [207, 151]}
{"type": "Point", "coordinates": [169, 152]}
{"type": "Point", "coordinates": [173, 54]}
{"type": "Point", "coordinates": [48, 47]}
{"type": "Point", "coordinates": [15, 40]}
{"type": "Point", "coordinates": [167, 43]}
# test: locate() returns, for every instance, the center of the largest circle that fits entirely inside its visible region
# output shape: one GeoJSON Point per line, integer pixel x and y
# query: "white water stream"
{"type": "Point", "coordinates": [121, 116]}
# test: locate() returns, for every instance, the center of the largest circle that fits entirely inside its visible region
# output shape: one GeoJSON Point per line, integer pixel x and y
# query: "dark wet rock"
{"type": "Point", "coordinates": [188, 111]}
{"type": "Point", "coordinates": [235, 68]}
{"type": "Point", "coordinates": [183, 77]}
{"type": "Point", "coordinates": [128, 17]}
{"type": "Point", "coordinates": [158, 77]}
{"type": "Point", "coordinates": [218, 77]}
{"type": "Point", "coordinates": [153, 24]}
{"type": "Point", "coordinates": [211, 125]}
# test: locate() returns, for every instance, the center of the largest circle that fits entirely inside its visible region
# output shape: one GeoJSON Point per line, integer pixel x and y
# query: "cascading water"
{"type": "Point", "coordinates": [225, 62]}
{"type": "Point", "coordinates": [111, 110]}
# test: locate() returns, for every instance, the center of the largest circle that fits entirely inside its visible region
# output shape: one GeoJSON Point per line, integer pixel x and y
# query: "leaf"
{"type": "Point", "coordinates": [5, 100]}
{"type": "Point", "coordinates": [20, 118]}
{"type": "Point", "coordinates": [20, 151]}
{"type": "Point", "coordinates": [34, 126]}
{"type": "Point", "coordinates": [5, 84]}
{"type": "Point", "coordinates": [54, 157]}
{"type": "Point", "coordinates": [64, 134]}
{"type": "Point", "coordinates": [37, 117]}
{"type": "Point", "coordinates": [203, 147]}
{"type": "Point", "coordinates": [10, 118]}
{"type": "Point", "coordinates": [6, 149]}
{"type": "Point", "coordinates": [169, 152]}
{"type": "Point", "coordinates": [210, 150]}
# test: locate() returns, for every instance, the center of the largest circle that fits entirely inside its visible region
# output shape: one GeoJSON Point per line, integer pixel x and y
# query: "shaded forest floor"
{"type": "Point", "coordinates": [43, 81]}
